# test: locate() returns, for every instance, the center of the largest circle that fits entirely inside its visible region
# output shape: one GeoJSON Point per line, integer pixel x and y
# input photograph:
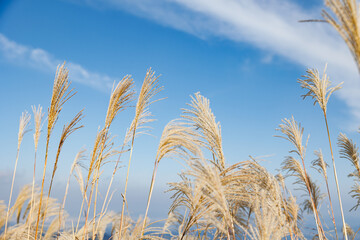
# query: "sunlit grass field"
{"type": "Point", "coordinates": [212, 198]}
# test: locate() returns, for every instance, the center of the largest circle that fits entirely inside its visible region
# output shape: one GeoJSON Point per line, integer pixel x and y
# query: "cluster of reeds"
{"type": "Point", "coordinates": [212, 199]}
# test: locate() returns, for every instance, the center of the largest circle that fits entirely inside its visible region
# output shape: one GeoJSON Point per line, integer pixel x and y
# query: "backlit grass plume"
{"type": "Point", "coordinates": [217, 189]}
{"type": "Point", "coordinates": [319, 88]}
{"type": "Point", "coordinates": [344, 17]}
{"type": "Point", "coordinates": [177, 139]}
{"type": "Point", "coordinates": [349, 151]}
{"type": "Point", "coordinates": [121, 95]}
{"type": "Point", "coordinates": [68, 129]}
{"type": "Point", "coordinates": [203, 119]}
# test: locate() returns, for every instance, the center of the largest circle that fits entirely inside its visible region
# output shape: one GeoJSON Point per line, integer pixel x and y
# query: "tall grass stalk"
{"type": "Point", "coordinates": [24, 121]}
{"type": "Point", "coordinates": [120, 96]}
{"type": "Point", "coordinates": [60, 95]}
{"type": "Point", "coordinates": [38, 115]}
{"type": "Point", "coordinates": [149, 89]}
{"type": "Point", "coordinates": [293, 133]}
{"type": "Point", "coordinates": [319, 88]}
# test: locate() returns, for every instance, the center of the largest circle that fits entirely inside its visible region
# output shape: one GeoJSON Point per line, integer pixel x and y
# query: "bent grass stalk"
{"type": "Point", "coordinates": [176, 139]}
{"type": "Point", "coordinates": [67, 131]}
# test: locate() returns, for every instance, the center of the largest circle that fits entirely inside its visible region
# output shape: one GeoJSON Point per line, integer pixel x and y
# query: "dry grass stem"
{"type": "Point", "coordinates": [60, 95]}
{"type": "Point", "coordinates": [321, 90]}
{"type": "Point", "coordinates": [149, 89]}
{"type": "Point", "coordinates": [321, 166]}
{"type": "Point", "coordinates": [24, 121]}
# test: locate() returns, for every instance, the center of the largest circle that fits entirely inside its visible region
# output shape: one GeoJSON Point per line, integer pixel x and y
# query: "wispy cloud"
{"type": "Point", "coordinates": [270, 25]}
{"type": "Point", "coordinates": [41, 60]}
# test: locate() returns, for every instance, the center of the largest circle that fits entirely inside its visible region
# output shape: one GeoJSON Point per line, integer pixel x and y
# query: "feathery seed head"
{"type": "Point", "coordinates": [120, 96]}
{"type": "Point", "coordinates": [319, 87]}
{"type": "Point", "coordinates": [319, 164]}
{"type": "Point", "coordinates": [178, 138]}
{"type": "Point", "coordinates": [203, 119]}
{"type": "Point", "coordinates": [149, 89]}
{"type": "Point", "coordinates": [349, 151]}
{"type": "Point", "coordinates": [24, 121]}
{"type": "Point", "coordinates": [60, 95]}
{"type": "Point", "coordinates": [293, 132]}
{"type": "Point", "coordinates": [345, 19]}
{"type": "Point", "coordinates": [38, 116]}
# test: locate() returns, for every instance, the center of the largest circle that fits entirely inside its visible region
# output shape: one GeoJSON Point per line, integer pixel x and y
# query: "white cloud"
{"type": "Point", "coordinates": [270, 25]}
{"type": "Point", "coordinates": [42, 60]}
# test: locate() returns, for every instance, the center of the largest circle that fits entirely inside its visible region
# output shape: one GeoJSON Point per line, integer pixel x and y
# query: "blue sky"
{"type": "Point", "coordinates": [245, 56]}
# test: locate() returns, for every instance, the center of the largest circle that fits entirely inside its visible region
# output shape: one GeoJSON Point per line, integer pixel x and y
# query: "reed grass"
{"type": "Point", "coordinates": [212, 199]}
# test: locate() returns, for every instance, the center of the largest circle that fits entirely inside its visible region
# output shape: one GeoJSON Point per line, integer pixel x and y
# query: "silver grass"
{"type": "Point", "coordinates": [149, 89]}
{"type": "Point", "coordinates": [349, 151]}
{"type": "Point", "coordinates": [60, 95]}
{"type": "Point", "coordinates": [293, 132]}
{"type": "Point", "coordinates": [203, 119]}
{"type": "Point", "coordinates": [319, 88]}
{"type": "Point", "coordinates": [344, 17]}
{"type": "Point", "coordinates": [177, 139]}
